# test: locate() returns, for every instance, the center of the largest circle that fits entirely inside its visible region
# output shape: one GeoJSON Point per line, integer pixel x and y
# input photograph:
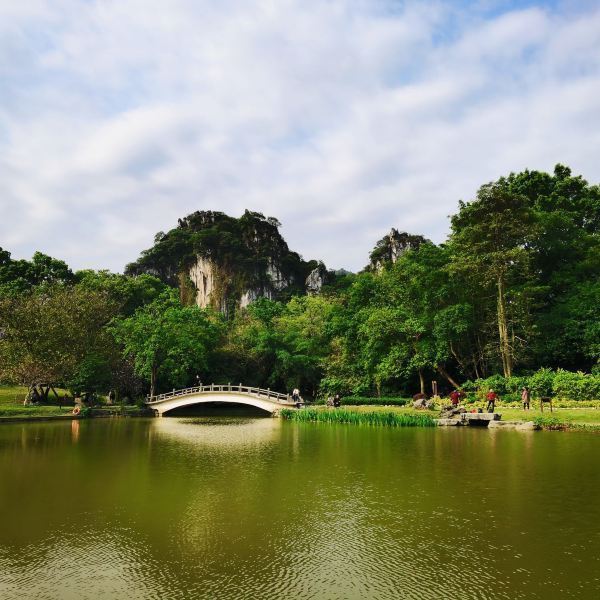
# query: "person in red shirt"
{"type": "Point", "coordinates": [455, 397]}
{"type": "Point", "coordinates": [491, 398]}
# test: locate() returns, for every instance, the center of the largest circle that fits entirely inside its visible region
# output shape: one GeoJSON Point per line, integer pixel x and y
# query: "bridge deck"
{"type": "Point", "coordinates": [276, 397]}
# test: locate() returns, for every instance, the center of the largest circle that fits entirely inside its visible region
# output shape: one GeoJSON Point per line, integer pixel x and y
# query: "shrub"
{"type": "Point", "coordinates": [564, 385]}
{"type": "Point", "coordinates": [549, 423]}
{"type": "Point", "coordinates": [541, 382]}
{"type": "Point", "coordinates": [576, 386]}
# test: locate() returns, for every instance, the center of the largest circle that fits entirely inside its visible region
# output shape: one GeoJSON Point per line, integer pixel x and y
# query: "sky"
{"type": "Point", "coordinates": [341, 118]}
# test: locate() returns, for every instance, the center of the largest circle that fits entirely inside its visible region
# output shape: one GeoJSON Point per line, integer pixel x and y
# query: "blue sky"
{"type": "Point", "coordinates": [342, 118]}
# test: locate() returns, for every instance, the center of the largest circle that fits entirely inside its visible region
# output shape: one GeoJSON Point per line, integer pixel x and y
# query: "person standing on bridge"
{"type": "Point", "coordinates": [295, 394]}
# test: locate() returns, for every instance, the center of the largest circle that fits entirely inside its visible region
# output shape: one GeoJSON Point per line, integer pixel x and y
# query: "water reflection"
{"type": "Point", "coordinates": [259, 508]}
{"type": "Point", "coordinates": [218, 432]}
{"type": "Point", "coordinates": [75, 430]}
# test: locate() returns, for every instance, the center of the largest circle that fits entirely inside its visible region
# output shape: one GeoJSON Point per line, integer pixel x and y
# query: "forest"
{"type": "Point", "coordinates": [512, 293]}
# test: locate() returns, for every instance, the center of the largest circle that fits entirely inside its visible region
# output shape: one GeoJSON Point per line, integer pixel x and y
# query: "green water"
{"type": "Point", "coordinates": [259, 508]}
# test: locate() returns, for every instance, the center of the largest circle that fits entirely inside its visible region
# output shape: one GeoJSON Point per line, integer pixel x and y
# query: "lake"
{"type": "Point", "coordinates": [244, 507]}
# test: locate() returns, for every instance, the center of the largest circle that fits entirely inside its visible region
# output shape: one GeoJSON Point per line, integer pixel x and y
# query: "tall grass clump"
{"type": "Point", "coordinates": [389, 419]}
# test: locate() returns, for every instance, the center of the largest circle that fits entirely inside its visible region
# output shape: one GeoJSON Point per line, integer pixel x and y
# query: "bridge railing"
{"type": "Point", "coordinates": [242, 389]}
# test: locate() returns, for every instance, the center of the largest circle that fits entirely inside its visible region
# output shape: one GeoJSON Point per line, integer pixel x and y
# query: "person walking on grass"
{"type": "Point", "coordinates": [491, 398]}
{"type": "Point", "coordinates": [525, 397]}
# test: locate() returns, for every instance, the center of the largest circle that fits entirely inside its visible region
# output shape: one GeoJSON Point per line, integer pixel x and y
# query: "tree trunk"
{"type": "Point", "coordinates": [422, 381]}
{"type": "Point", "coordinates": [503, 330]}
{"type": "Point", "coordinates": [444, 374]}
{"type": "Point", "coordinates": [153, 374]}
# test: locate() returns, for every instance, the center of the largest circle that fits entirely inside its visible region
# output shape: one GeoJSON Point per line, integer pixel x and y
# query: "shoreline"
{"type": "Point", "coordinates": [388, 416]}
{"type": "Point", "coordinates": [96, 414]}
{"type": "Point", "coordinates": [377, 415]}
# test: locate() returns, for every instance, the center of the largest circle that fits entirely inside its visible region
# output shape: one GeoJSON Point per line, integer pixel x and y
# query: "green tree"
{"type": "Point", "coordinates": [565, 253]}
{"type": "Point", "coordinates": [129, 293]}
{"type": "Point", "coordinates": [303, 341]}
{"type": "Point", "coordinates": [491, 246]}
{"type": "Point", "coordinates": [17, 276]}
{"type": "Point", "coordinates": [167, 342]}
{"type": "Point", "coordinates": [48, 332]}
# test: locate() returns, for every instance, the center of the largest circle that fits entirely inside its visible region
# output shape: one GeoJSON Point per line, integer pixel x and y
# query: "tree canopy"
{"type": "Point", "coordinates": [514, 289]}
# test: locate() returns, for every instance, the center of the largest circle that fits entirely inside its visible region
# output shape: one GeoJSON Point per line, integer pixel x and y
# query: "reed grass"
{"type": "Point", "coordinates": [340, 415]}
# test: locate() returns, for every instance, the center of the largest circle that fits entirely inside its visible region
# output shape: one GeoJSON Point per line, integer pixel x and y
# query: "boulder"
{"type": "Point", "coordinates": [448, 412]}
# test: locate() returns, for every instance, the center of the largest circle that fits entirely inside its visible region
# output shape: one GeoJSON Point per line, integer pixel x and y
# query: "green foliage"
{"type": "Point", "coordinates": [552, 423]}
{"type": "Point", "coordinates": [284, 345]}
{"type": "Point", "coordinates": [86, 412]}
{"type": "Point", "coordinates": [18, 276]}
{"type": "Point", "coordinates": [561, 384]}
{"type": "Point", "coordinates": [576, 386]}
{"type": "Point", "coordinates": [129, 293]}
{"type": "Point", "coordinates": [50, 332]}
{"type": "Point", "coordinates": [368, 401]}
{"type": "Point", "coordinates": [167, 342]}
{"type": "Point", "coordinates": [541, 382]}
{"type": "Point", "coordinates": [388, 419]}
{"type": "Point", "coordinates": [91, 374]}
{"type": "Point", "coordinates": [510, 300]}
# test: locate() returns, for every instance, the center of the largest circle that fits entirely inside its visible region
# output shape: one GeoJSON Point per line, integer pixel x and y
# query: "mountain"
{"type": "Point", "coordinates": [226, 263]}
{"type": "Point", "coordinates": [391, 246]}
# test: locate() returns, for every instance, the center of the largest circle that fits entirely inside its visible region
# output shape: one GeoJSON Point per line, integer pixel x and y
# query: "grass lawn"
{"type": "Point", "coordinates": [581, 416]}
{"type": "Point", "coordinates": [12, 395]}
{"type": "Point", "coordinates": [11, 404]}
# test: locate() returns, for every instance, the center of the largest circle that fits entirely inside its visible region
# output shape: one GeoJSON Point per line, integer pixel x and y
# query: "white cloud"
{"type": "Point", "coordinates": [340, 118]}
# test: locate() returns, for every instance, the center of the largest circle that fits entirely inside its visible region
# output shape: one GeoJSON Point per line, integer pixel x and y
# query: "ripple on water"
{"type": "Point", "coordinates": [175, 508]}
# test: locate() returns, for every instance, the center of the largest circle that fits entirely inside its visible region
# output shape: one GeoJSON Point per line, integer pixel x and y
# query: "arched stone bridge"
{"type": "Point", "coordinates": [266, 400]}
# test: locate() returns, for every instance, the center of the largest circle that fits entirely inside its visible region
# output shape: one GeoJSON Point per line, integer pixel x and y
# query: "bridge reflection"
{"type": "Point", "coordinates": [218, 432]}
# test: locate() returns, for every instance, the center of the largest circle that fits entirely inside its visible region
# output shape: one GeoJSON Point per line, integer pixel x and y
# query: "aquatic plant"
{"type": "Point", "coordinates": [389, 419]}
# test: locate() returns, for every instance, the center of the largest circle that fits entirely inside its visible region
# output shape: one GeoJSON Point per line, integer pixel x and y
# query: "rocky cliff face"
{"type": "Point", "coordinates": [391, 247]}
{"type": "Point", "coordinates": [225, 263]}
{"type": "Point", "coordinates": [202, 274]}
{"type": "Point", "coordinates": [317, 278]}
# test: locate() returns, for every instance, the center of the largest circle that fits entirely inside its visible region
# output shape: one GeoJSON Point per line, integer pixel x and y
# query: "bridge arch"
{"type": "Point", "coordinates": [266, 400]}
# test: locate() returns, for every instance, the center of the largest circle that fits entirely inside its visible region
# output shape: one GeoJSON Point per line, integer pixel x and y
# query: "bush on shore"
{"type": "Point", "coordinates": [560, 384]}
